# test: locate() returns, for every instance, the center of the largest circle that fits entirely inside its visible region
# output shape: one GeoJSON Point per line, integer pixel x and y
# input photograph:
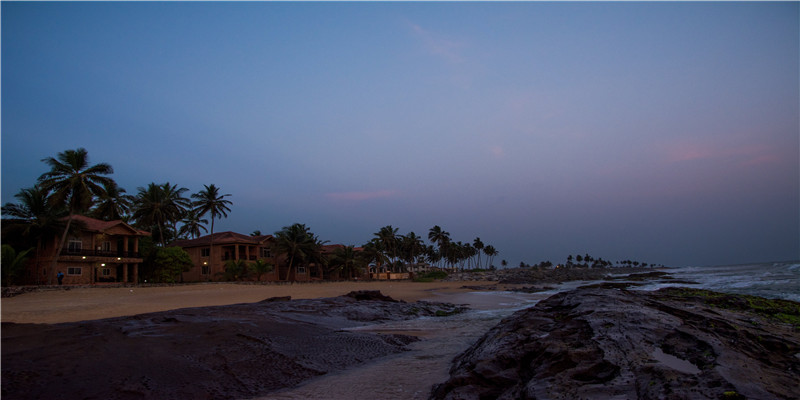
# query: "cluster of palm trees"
{"type": "Point", "coordinates": [400, 251]}
{"type": "Point", "coordinates": [74, 187]}
{"type": "Point", "coordinates": [387, 249]}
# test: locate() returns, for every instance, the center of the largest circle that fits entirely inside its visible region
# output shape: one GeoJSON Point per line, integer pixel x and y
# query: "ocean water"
{"type": "Point", "coordinates": [775, 280]}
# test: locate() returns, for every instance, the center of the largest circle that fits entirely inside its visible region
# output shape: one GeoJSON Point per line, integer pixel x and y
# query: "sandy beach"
{"type": "Point", "coordinates": [80, 304]}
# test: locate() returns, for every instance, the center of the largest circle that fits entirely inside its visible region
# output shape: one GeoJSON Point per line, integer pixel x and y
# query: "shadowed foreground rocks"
{"type": "Point", "coordinates": [236, 351]}
{"type": "Point", "coordinates": [601, 343]}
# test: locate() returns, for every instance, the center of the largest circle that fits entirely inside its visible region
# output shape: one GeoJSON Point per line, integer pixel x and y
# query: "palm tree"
{"type": "Point", "coordinates": [235, 270]}
{"type": "Point", "coordinates": [441, 238]}
{"type": "Point", "coordinates": [260, 267]}
{"type": "Point", "coordinates": [411, 247]}
{"type": "Point", "coordinates": [159, 206]}
{"type": "Point", "coordinates": [478, 245]}
{"type": "Point", "coordinates": [12, 264]}
{"type": "Point", "coordinates": [74, 183]}
{"type": "Point", "coordinates": [209, 201]}
{"type": "Point", "coordinates": [192, 224]}
{"type": "Point", "coordinates": [113, 203]}
{"type": "Point", "coordinates": [490, 252]}
{"type": "Point", "coordinates": [179, 204]}
{"type": "Point", "coordinates": [34, 220]}
{"type": "Point", "coordinates": [345, 260]}
{"type": "Point", "coordinates": [373, 253]}
{"type": "Point", "coordinates": [388, 237]}
{"type": "Point", "coordinates": [298, 244]}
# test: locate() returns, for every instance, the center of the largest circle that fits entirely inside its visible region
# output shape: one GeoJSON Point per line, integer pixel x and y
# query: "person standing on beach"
{"type": "Point", "coordinates": [60, 277]}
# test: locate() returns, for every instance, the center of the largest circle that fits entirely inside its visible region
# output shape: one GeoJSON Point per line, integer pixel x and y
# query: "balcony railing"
{"type": "Point", "coordinates": [100, 253]}
{"type": "Point", "coordinates": [241, 257]}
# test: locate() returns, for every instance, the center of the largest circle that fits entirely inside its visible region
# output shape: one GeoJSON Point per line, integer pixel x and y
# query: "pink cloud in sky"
{"type": "Point", "coordinates": [360, 196]}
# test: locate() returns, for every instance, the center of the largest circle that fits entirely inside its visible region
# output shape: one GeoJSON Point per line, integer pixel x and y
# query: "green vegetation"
{"type": "Point", "coordinates": [784, 311]}
{"type": "Point", "coordinates": [732, 395]}
{"type": "Point", "coordinates": [170, 263]}
{"type": "Point", "coordinates": [430, 276]}
{"type": "Point", "coordinates": [12, 264]}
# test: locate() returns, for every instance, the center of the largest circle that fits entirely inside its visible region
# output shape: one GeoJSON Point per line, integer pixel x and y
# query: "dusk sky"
{"type": "Point", "coordinates": [663, 132]}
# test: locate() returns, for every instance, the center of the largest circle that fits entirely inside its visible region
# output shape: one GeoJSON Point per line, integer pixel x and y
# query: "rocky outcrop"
{"type": "Point", "coordinates": [535, 275]}
{"type": "Point", "coordinates": [236, 351]}
{"type": "Point", "coordinates": [604, 343]}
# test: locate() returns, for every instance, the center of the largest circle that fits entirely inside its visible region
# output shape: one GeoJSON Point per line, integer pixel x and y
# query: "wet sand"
{"type": "Point", "coordinates": [81, 304]}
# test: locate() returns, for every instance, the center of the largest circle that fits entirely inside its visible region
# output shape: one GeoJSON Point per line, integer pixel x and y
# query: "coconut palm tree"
{"type": "Point", "coordinates": [388, 238]}
{"type": "Point", "coordinates": [74, 183]}
{"type": "Point", "coordinates": [158, 208]}
{"type": "Point", "coordinates": [260, 267]}
{"type": "Point", "coordinates": [192, 225]}
{"type": "Point", "coordinates": [297, 244]}
{"type": "Point", "coordinates": [179, 204]}
{"type": "Point", "coordinates": [345, 260]}
{"type": "Point", "coordinates": [33, 221]}
{"type": "Point", "coordinates": [411, 247]}
{"type": "Point", "coordinates": [441, 238]}
{"type": "Point", "coordinates": [112, 203]}
{"type": "Point", "coordinates": [235, 270]}
{"type": "Point", "coordinates": [13, 264]}
{"type": "Point", "coordinates": [209, 201]}
{"type": "Point", "coordinates": [490, 252]}
{"type": "Point", "coordinates": [373, 253]}
{"type": "Point", "coordinates": [478, 245]}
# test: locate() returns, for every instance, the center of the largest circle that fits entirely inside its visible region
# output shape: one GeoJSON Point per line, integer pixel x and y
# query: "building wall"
{"type": "Point", "coordinates": [86, 266]}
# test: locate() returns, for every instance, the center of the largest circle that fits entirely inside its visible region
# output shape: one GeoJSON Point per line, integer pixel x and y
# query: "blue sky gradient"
{"type": "Point", "coordinates": [664, 132]}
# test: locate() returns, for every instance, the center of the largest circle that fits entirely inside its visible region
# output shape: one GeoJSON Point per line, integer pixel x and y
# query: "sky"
{"type": "Point", "coordinates": [664, 132]}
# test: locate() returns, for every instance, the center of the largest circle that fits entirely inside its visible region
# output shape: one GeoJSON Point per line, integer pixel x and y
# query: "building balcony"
{"type": "Point", "coordinates": [101, 253]}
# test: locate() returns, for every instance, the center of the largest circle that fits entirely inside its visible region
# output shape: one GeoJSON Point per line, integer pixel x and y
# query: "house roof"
{"type": "Point", "coordinates": [227, 237]}
{"type": "Point", "coordinates": [98, 225]}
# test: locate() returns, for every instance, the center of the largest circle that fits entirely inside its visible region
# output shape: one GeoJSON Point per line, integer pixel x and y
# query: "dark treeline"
{"type": "Point", "coordinates": [587, 261]}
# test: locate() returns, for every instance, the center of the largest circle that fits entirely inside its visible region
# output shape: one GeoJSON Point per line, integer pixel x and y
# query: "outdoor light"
{"type": "Point", "coordinates": [103, 264]}
{"type": "Point", "coordinates": [84, 257]}
{"type": "Point", "coordinates": [119, 258]}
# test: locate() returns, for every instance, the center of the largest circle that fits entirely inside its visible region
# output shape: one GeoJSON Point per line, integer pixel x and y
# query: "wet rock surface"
{"type": "Point", "coordinates": [236, 351]}
{"type": "Point", "coordinates": [604, 343]}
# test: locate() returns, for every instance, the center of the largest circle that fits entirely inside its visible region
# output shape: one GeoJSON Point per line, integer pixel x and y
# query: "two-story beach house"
{"type": "Point", "coordinates": [209, 257]}
{"type": "Point", "coordinates": [95, 251]}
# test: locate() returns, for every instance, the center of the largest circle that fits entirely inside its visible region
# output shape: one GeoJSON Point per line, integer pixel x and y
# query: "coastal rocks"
{"type": "Point", "coordinates": [236, 351]}
{"type": "Point", "coordinates": [604, 343]}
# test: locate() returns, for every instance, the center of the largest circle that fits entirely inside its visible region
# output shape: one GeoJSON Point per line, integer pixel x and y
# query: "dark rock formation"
{"type": "Point", "coordinates": [374, 295]}
{"type": "Point", "coordinates": [614, 344]}
{"type": "Point", "coordinates": [236, 351]}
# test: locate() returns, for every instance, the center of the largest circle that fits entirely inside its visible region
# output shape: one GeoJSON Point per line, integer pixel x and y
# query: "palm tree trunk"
{"type": "Point", "coordinates": [58, 252]}
{"type": "Point", "coordinates": [211, 251]}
